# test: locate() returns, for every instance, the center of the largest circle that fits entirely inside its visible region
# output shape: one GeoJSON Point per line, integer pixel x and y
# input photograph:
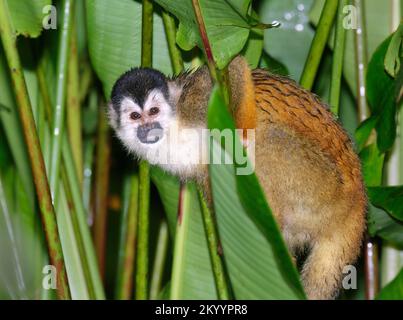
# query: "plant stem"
{"type": "Point", "coordinates": [221, 77]}
{"type": "Point", "coordinates": [182, 227]}
{"type": "Point", "coordinates": [318, 44]}
{"type": "Point", "coordinates": [71, 182]}
{"type": "Point", "coordinates": [73, 106]}
{"type": "Point", "coordinates": [127, 247]}
{"type": "Point", "coordinates": [370, 247]}
{"type": "Point", "coordinates": [159, 261]}
{"type": "Point", "coordinates": [392, 257]}
{"type": "Point", "coordinates": [59, 110]}
{"type": "Point", "coordinates": [144, 168]}
{"type": "Point", "coordinates": [143, 232]}
{"type": "Point", "coordinates": [338, 55]}
{"type": "Point", "coordinates": [89, 258]}
{"type": "Point", "coordinates": [16, 261]}
{"type": "Point", "coordinates": [86, 79]}
{"type": "Point", "coordinates": [214, 249]}
{"type": "Point", "coordinates": [208, 218]}
{"type": "Point", "coordinates": [147, 33]}
{"type": "Point", "coordinates": [361, 59]}
{"type": "Point", "coordinates": [174, 52]}
{"type": "Point", "coordinates": [101, 190]}
{"type": "Point", "coordinates": [48, 216]}
{"type": "Point", "coordinates": [206, 43]}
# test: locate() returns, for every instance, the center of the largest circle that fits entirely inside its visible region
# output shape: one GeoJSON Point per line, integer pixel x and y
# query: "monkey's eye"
{"type": "Point", "coordinates": [135, 115]}
{"type": "Point", "coordinates": [153, 111]}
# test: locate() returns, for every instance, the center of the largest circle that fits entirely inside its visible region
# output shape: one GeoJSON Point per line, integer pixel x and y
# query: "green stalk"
{"type": "Point", "coordinates": [143, 232]}
{"type": "Point", "coordinates": [144, 169]}
{"type": "Point", "coordinates": [163, 237]}
{"type": "Point", "coordinates": [206, 43]}
{"type": "Point", "coordinates": [338, 55]}
{"type": "Point", "coordinates": [174, 52]}
{"type": "Point", "coordinates": [159, 261]}
{"type": "Point", "coordinates": [361, 60]}
{"type": "Point", "coordinates": [392, 257]}
{"type": "Point", "coordinates": [73, 106]}
{"type": "Point", "coordinates": [48, 216]}
{"type": "Point", "coordinates": [16, 261]}
{"type": "Point", "coordinates": [213, 241]}
{"type": "Point", "coordinates": [89, 258]}
{"type": "Point", "coordinates": [221, 77]}
{"type": "Point", "coordinates": [210, 224]}
{"type": "Point", "coordinates": [89, 147]}
{"type": "Point", "coordinates": [59, 110]}
{"type": "Point", "coordinates": [318, 44]}
{"type": "Point", "coordinates": [371, 264]}
{"type": "Point", "coordinates": [85, 79]}
{"type": "Point", "coordinates": [127, 246]}
{"type": "Point", "coordinates": [182, 228]}
{"type": "Point", "coordinates": [71, 182]}
{"type": "Point", "coordinates": [101, 189]}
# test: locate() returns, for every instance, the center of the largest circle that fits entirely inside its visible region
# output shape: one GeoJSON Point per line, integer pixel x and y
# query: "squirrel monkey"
{"type": "Point", "coordinates": [304, 160]}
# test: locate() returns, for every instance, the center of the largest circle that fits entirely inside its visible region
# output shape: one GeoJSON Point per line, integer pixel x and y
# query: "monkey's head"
{"type": "Point", "coordinates": [141, 109]}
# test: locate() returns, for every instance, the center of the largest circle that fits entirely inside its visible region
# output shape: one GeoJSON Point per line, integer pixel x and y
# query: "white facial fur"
{"type": "Point", "coordinates": [179, 150]}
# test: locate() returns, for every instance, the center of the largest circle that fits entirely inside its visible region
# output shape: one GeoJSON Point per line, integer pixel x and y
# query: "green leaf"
{"type": "Point", "coordinates": [272, 65]}
{"type": "Point", "coordinates": [393, 290]}
{"type": "Point", "coordinates": [71, 250]}
{"type": "Point", "coordinates": [114, 39]}
{"type": "Point", "coordinates": [27, 16]}
{"type": "Point", "coordinates": [363, 132]}
{"type": "Point", "coordinates": [372, 165]}
{"type": "Point", "coordinates": [12, 128]}
{"type": "Point", "coordinates": [254, 46]}
{"type": "Point", "coordinates": [389, 199]}
{"type": "Point", "coordinates": [394, 53]}
{"type": "Point", "coordinates": [226, 25]}
{"type": "Point", "coordinates": [257, 259]}
{"type": "Point", "coordinates": [381, 224]}
{"type": "Point", "coordinates": [378, 15]}
{"type": "Point", "coordinates": [290, 43]}
{"type": "Point", "coordinates": [382, 91]}
{"type": "Point", "coordinates": [196, 280]}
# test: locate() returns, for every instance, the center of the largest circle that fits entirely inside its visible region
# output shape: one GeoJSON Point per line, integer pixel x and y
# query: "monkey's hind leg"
{"type": "Point", "coordinates": [333, 250]}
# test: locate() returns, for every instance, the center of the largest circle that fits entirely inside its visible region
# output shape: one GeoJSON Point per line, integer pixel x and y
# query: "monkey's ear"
{"type": "Point", "coordinates": [113, 116]}
{"type": "Point", "coordinates": [242, 93]}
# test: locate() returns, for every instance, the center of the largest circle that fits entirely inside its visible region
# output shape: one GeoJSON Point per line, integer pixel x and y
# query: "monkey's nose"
{"type": "Point", "coordinates": [149, 132]}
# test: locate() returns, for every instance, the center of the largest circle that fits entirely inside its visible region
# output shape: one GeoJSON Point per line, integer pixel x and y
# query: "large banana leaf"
{"type": "Point", "coordinates": [28, 15]}
{"type": "Point", "coordinates": [114, 39]}
{"type": "Point", "coordinates": [393, 290]}
{"type": "Point", "coordinates": [12, 128]}
{"type": "Point", "coordinates": [378, 15]}
{"type": "Point", "coordinates": [289, 43]}
{"type": "Point", "coordinates": [192, 276]}
{"type": "Point", "coordinates": [226, 26]}
{"type": "Point", "coordinates": [115, 46]}
{"type": "Point", "coordinates": [257, 259]}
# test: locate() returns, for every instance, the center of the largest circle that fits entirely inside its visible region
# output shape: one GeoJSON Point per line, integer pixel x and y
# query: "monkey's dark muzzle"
{"type": "Point", "coordinates": [149, 132]}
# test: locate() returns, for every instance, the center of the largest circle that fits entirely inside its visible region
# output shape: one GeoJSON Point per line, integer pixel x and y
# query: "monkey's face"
{"type": "Point", "coordinates": [142, 126]}
{"type": "Point", "coordinates": [141, 110]}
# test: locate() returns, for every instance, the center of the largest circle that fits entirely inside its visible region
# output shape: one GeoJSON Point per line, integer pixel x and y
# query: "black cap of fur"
{"type": "Point", "coordinates": [136, 84]}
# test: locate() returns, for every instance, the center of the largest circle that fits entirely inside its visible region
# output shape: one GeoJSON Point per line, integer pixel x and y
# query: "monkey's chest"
{"type": "Point", "coordinates": [182, 152]}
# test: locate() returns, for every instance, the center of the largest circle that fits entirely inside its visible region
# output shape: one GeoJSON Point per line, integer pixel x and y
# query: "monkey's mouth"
{"type": "Point", "coordinates": [150, 132]}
